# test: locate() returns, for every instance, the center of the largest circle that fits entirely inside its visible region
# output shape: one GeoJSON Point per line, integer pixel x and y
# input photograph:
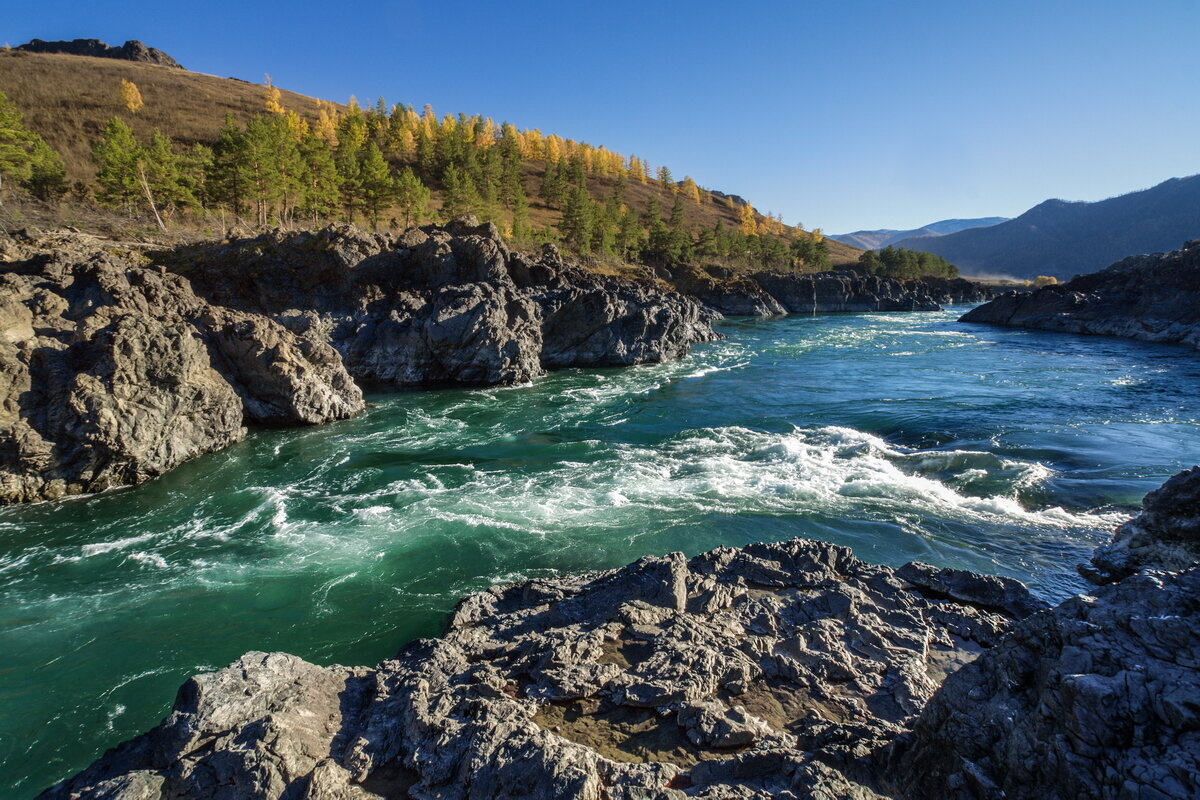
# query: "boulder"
{"type": "Point", "coordinates": [1164, 536]}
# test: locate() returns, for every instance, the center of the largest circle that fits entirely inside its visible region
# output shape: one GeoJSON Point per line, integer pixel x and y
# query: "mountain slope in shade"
{"type": "Point", "coordinates": [873, 240]}
{"type": "Point", "coordinates": [1064, 238]}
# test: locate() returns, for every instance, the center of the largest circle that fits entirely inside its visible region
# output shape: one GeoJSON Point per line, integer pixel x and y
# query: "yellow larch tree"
{"type": "Point", "coordinates": [272, 97]}
{"type": "Point", "coordinates": [747, 220]}
{"type": "Point", "coordinates": [326, 127]}
{"type": "Point", "coordinates": [131, 96]}
{"type": "Point", "coordinates": [690, 189]}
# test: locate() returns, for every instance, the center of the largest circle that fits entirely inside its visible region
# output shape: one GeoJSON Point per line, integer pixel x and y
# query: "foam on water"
{"type": "Point", "coordinates": [903, 436]}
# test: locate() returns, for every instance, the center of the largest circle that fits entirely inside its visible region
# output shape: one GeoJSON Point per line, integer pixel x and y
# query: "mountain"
{"type": "Point", "coordinates": [67, 96]}
{"type": "Point", "coordinates": [873, 240]}
{"type": "Point", "coordinates": [1063, 239]}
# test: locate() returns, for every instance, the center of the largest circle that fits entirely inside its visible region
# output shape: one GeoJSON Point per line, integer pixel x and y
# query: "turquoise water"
{"type": "Point", "coordinates": [905, 436]}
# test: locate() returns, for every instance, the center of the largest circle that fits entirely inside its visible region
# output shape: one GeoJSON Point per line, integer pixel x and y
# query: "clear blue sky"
{"type": "Point", "coordinates": [841, 114]}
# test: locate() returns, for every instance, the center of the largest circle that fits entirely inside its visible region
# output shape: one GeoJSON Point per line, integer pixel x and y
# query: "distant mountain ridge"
{"type": "Point", "coordinates": [1063, 238]}
{"type": "Point", "coordinates": [873, 240]}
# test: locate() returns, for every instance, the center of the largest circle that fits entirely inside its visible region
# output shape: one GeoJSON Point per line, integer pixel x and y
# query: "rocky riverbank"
{"type": "Point", "coordinates": [764, 294]}
{"type": "Point", "coordinates": [788, 670]}
{"type": "Point", "coordinates": [1155, 298]}
{"type": "Point", "coordinates": [119, 362]}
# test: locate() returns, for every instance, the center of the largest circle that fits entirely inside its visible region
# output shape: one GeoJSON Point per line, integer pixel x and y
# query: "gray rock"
{"type": "Point", "coordinates": [133, 50]}
{"type": "Point", "coordinates": [1154, 298]}
{"type": "Point", "coordinates": [112, 372]}
{"type": "Point", "coordinates": [117, 364]}
{"type": "Point", "coordinates": [1164, 536]}
{"type": "Point", "coordinates": [771, 671]}
{"type": "Point", "coordinates": [1096, 698]}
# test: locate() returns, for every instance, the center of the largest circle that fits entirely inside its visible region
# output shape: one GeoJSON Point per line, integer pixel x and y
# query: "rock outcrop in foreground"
{"type": "Point", "coordinates": [770, 671]}
{"type": "Point", "coordinates": [1154, 298]}
{"type": "Point", "coordinates": [787, 670]}
{"type": "Point", "coordinates": [764, 294]}
{"type": "Point", "coordinates": [1099, 697]}
{"type": "Point", "coordinates": [117, 364]}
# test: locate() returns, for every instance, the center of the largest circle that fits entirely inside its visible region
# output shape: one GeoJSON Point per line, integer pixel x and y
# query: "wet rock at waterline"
{"type": "Point", "coordinates": [1096, 698]}
{"type": "Point", "coordinates": [764, 294]}
{"type": "Point", "coordinates": [118, 364]}
{"type": "Point", "coordinates": [112, 373]}
{"type": "Point", "coordinates": [1154, 298]}
{"type": "Point", "coordinates": [773, 670]}
{"type": "Point", "coordinates": [1164, 536]}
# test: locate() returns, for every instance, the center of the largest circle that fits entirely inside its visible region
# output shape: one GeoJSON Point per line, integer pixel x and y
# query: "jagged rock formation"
{"type": "Point", "coordinates": [764, 294]}
{"type": "Point", "coordinates": [114, 368]}
{"type": "Point", "coordinates": [1097, 698]}
{"type": "Point", "coordinates": [1154, 298]}
{"type": "Point", "coordinates": [955, 291]}
{"type": "Point", "coordinates": [133, 50]}
{"type": "Point", "coordinates": [444, 304]}
{"type": "Point", "coordinates": [1164, 536]}
{"type": "Point", "coordinates": [112, 373]}
{"type": "Point", "coordinates": [769, 671]}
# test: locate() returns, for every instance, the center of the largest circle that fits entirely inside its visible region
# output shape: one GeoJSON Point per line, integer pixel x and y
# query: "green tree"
{"type": "Point", "coordinates": [321, 192]}
{"type": "Point", "coordinates": [47, 175]}
{"type": "Point", "coordinates": [229, 178]}
{"type": "Point", "coordinates": [161, 176]}
{"type": "Point", "coordinates": [412, 195]}
{"type": "Point", "coordinates": [461, 196]}
{"type": "Point", "coordinates": [377, 185]}
{"type": "Point", "coordinates": [666, 179]}
{"type": "Point", "coordinates": [117, 155]}
{"type": "Point", "coordinates": [577, 220]}
{"type": "Point", "coordinates": [522, 230]}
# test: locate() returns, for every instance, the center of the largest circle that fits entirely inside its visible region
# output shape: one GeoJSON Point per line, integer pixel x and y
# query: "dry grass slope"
{"type": "Point", "coordinates": [68, 99]}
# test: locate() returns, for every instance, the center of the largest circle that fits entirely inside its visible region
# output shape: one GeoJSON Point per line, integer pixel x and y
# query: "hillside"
{"type": "Point", "coordinates": [873, 240]}
{"type": "Point", "coordinates": [68, 99]}
{"type": "Point", "coordinates": [1064, 239]}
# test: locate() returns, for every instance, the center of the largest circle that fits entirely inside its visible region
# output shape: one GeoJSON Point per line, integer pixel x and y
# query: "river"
{"type": "Point", "coordinates": [904, 436]}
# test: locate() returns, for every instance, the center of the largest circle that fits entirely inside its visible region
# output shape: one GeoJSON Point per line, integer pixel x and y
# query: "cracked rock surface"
{"type": "Point", "coordinates": [775, 670]}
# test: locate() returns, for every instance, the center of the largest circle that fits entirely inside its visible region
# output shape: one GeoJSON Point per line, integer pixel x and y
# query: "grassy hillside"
{"type": "Point", "coordinates": [68, 99]}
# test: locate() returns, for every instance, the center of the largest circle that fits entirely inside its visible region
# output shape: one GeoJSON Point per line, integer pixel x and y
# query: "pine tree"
{"type": "Point", "coordinates": [117, 155]}
{"type": "Point", "coordinates": [377, 185]}
{"type": "Point", "coordinates": [522, 230]}
{"type": "Point", "coordinates": [629, 236]}
{"type": "Point", "coordinates": [412, 196]}
{"type": "Point", "coordinates": [26, 158]}
{"type": "Point", "coordinates": [665, 179]}
{"type": "Point", "coordinates": [349, 169]}
{"type": "Point", "coordinates": [321, 194]}
{"type": "Point", "coordinates": [676, 221]}
{"type": "Point", "coordinates": [577, 219]}
{"type": "Point", "coordinates": [131, 96]}
{"type": "Point", "coordinates": [161, 176]}
{"type": "Point", "coordinates": [263, 144]}
{"type": "Point", "coordinates": [461, 197]}
{"type": "Point", "coordinates": [652, 213]}
{"type": "Point", "coordinates": [228, 179]}
{"type": "Point", "coordinates": [195, 165]}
